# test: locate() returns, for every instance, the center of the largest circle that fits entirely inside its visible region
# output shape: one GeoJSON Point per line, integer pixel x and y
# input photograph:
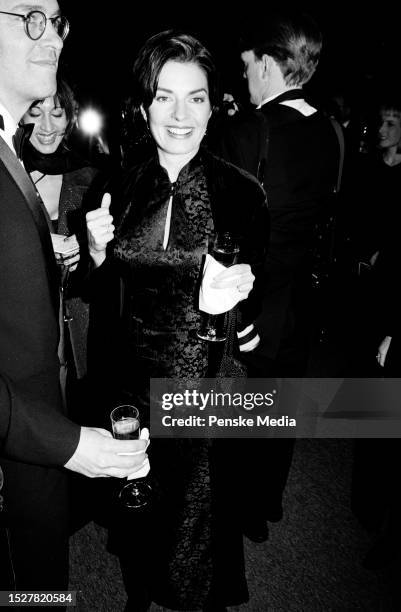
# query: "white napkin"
{"type": "Point", "coordinates": [215, 301]}
{"type": "Point", "coordinates": [144, 470]}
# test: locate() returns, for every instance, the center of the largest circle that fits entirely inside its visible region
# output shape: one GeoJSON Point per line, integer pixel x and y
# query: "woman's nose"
{"type": "Point", "coordinates": [46, 124]}
{"type": "Point", "coordinates": [179, 110]}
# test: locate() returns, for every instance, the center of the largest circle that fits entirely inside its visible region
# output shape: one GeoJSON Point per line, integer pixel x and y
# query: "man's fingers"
{"type": "Point", "coordinates": [123, 447]}
{"type": "Point", "coordinates": [126, 462]}
{"type": "Point", "coordinates": [145, 434]}
{"type": "Point", "coordinates": [122, 473]}
{"type": "Point", "coordinates": [104, 432]}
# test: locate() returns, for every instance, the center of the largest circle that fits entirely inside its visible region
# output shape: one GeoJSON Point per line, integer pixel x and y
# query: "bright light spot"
{"type": "Point", "coordinates": [90, 121]}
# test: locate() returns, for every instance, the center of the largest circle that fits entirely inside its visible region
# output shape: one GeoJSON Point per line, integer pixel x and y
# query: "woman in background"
{"type": "Point", "coordinates": [376, 494]}
{"type": "Point", "coordinates": [62, 178]}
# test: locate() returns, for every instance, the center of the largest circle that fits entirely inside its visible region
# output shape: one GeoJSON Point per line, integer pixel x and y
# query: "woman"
{"type": "Point", "coordinates": [190, 554]}
{"type": "Point", "coordinates": [376, 497]}
{"type": "Point", "coordinates": [62, 179]}
{"type": "Point", "coordinates": [388, 257]}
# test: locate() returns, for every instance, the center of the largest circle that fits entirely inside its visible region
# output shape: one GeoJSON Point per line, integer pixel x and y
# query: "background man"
{"type": "Point", "coordinates": [36, 437]}
{"type": "Point", "coordinates": [293, 149]}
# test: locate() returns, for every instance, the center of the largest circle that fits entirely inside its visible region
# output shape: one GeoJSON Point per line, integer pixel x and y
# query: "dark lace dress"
{"type": "Point", "coordinates": [189, 542]}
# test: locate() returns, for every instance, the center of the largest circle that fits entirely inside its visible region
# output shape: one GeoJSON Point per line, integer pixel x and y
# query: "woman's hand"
{"type": "Point", "coordinates": [239, 276]}
{"type": "Point", "coordinates": [66, 250]}
{"type": "Point", "coordinates": [382, 351]}
{"type": "Point", "coordinates": [100, 229]}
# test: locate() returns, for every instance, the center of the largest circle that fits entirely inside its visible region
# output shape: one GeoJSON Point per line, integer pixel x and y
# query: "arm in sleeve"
{"type": "Point", "coordinates": [253, 252]}
{"type": "Point", "coordinates": [32, 430]}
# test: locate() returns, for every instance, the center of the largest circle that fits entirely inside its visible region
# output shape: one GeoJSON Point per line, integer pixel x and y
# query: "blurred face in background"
{"type": "Point", "coordinates": [389, 129]}
{"type": "Point", "coordinates": [180, 111]}
{"type": "Point", "coordinates": [50, 124]}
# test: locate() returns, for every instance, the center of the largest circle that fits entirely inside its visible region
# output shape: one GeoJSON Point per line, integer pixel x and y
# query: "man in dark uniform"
{"type": "Point", "coordinates": [36, 437]}
{"type": "Point", "coordinates": [293, 149]}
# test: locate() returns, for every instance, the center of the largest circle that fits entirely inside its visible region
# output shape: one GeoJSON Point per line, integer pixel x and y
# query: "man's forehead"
{"type": "Point", "coordinates": [16, 6]}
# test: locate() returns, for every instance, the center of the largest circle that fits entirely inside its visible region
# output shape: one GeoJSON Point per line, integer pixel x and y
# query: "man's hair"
{"type": "Point", "coordinates": [170, 46]}
{"type": "Point", "coordinates": [293, 41]}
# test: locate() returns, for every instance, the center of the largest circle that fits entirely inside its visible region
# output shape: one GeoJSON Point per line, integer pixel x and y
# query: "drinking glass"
{"type": "Point", "coordinates": [126, 426]}
{"type": "Point", "coordinates": [225, 250]}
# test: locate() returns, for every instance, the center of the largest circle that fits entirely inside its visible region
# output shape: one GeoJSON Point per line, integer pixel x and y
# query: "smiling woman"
{"type": "Point", "coordinates": [62, 178]}
{"type": "Point", "coordinates": [179, 114]}
{"type": "Point", "coordinates": [50, 122]}
{"type": "Point", "coordinates": [172, 205]}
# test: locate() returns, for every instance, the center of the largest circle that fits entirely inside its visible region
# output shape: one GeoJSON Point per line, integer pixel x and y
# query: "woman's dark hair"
{"type": "Point", "coordinates": [170, 45]}
{"type": "Point", "coordinates": [66, 99]}
{"type": "Point", "coordinates": [390, 104]}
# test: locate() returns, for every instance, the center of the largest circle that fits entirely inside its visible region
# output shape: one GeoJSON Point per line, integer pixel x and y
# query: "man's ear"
{"type": "Point", "coordinates": [266, 59]}
{"type": "Point", "coordinates": [143, 112]}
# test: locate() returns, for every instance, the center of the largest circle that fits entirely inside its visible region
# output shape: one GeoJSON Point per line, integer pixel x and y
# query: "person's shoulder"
{"type": "Point", "coordinates": [88, 172]}
{"type": "Point", "coordinates": [137, 171]}
{"type": "Point", "coordinates": [244, 123]}
{"type": "Point", "coordinates": [232, 175]}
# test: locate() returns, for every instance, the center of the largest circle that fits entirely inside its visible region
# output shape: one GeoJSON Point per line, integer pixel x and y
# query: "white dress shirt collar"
{"type": "Point", "coordinates": [10, 127]}
{"type": "Point", "coordinates": [299, 104]}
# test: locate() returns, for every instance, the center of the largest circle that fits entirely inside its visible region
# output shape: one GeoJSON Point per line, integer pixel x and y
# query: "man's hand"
{"type": "Point", "coordinates": [98, 454]}
{"type": "Point", "coordinates": [100, 230]}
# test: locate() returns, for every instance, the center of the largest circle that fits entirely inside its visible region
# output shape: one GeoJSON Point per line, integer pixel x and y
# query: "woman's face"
{"type": "Point", "coordinates": [180, 111]}
{"type": "Point", "coordinates": [389, 130]}
{"type": "Point", "coordinates": [50, 124]}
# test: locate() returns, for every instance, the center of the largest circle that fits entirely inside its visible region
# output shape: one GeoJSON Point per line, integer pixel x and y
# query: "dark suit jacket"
{"type": "Point", "coordinates": [300, 174]}
{"type": "Point", "coordinates": [33, 428]}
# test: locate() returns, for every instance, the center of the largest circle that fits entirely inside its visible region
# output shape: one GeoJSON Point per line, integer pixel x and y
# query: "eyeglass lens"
{"type": "Point", "coordinates": [36, 25]}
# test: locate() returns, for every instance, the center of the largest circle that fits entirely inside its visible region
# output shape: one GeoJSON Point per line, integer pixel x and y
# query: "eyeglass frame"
{"type": "Point", "coordinates": [46, 19]}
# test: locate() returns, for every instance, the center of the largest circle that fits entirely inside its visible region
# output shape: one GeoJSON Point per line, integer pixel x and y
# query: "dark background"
{"type": "Point", "coordinates": [360, 54]}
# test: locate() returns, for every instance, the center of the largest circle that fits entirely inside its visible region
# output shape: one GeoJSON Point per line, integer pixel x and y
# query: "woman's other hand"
{"type": "Point", "coordinates": [239, 276]}
{"type": "Point", "coordinates": [100, 230]}
{"type": "Point", "coordinates": [66, 250]}
{"type": "Point", "coordinates": [382, 351]}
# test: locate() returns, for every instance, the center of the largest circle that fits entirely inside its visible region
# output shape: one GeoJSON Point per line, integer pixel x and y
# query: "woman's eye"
{"type": "Point", "coordinates": [57, 115]}
{"type": "Point", "coordinates": [34, 113]}
{"type": "Point", "coordinates": [198, 100]}
{"type": "Point", "coordinates": [161, 98]}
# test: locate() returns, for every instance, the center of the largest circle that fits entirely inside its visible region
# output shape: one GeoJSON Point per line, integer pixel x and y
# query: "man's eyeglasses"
{"type": "Point", "coordinates": [35, 24]}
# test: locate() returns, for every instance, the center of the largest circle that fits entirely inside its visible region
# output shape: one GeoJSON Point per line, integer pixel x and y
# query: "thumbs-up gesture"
{"type": "Point", "coordinates": [100, 229]}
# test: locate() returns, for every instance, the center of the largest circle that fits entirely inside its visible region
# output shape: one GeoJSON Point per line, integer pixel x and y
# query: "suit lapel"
{"type": "Point", "coordinates": [32, 199]}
